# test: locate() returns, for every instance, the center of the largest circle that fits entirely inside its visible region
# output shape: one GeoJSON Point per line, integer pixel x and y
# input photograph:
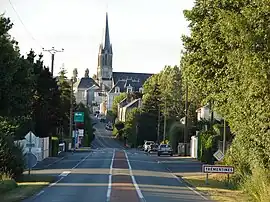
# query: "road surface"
{"type": "Point", "coordinates": [109, 173]}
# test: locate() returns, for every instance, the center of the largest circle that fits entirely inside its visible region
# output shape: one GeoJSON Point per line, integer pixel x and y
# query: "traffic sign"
{"type": "Point", "coordinates": [30, 145]}
{"type": "Point", "coordinates": [79, 117]}
{"type": "Point", "coordinates": [30, 160]}
{"type": "Point", "coordinates": [219, 155]}
{"type": "Point", "coordinates": [218, 169]}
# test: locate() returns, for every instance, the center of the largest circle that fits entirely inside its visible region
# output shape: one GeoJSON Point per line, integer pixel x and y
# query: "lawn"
{"type": "Point", "coordinates": [217, 189]}
{"type": "Point", "coordinates": [26, 187]}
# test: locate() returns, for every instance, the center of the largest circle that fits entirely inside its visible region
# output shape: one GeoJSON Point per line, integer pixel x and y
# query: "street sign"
{"type": "Point", "coordinates": [79, 117]}
{"type": "Point", "coordinates": [219, 155]}
{"type": "Point", "coordinates": [218, 169]}
{"type": "Point", "coordinates": [30, 160]}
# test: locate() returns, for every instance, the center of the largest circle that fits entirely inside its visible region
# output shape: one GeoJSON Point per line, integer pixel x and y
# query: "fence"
{"type": "Point", "coordinates": [39, 146]}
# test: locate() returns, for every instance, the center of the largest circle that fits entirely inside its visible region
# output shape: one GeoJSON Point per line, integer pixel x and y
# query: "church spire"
{"type": "Point", "coordinates": [107, 43]}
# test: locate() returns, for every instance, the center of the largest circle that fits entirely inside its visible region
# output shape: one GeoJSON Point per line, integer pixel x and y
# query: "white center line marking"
{"type": "Point", "coordinates": [133, 179]}
{"type": "Point", "coordinates": [110, 179]}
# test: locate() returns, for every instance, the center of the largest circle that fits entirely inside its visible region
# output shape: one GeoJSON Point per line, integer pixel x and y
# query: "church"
{"type": "Point", "coordinates": [107, 84]}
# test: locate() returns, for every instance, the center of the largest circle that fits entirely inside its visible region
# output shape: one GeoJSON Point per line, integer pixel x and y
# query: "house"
{"type": "Point", "coordinates": [126, 82]}
{"type": "Point", "coordinates": [204, 113]}
{"type": "Point", "coordinates": [126, 106]}
{"type": "Point", "coordinates": [84, 90]}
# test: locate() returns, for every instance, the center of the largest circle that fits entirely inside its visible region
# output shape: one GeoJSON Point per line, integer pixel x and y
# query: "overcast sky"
{"type": "Point", "coordinates": [145, 34]}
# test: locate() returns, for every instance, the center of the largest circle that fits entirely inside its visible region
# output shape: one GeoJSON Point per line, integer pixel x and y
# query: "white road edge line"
{"type": "Point", "coordinates": [39, 193]}
{"type": "Point", "coordinates": [182, 182]}
{"type": "Point", "coordinates": [66, 173]}
{"type": "Point", "coordinates": [110, 179]}
{"type": "Point", "coordinates": [133, 179]}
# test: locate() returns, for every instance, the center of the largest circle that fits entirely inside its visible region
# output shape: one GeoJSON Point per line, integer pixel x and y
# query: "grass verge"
{"type": "Point", "coordinates": [26, 187]}
{"type": "Point", "coordinates": [217, 188]}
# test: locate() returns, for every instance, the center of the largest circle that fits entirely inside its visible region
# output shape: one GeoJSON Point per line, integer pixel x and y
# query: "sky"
{"type": "Point", "coordinates": [145, 34]}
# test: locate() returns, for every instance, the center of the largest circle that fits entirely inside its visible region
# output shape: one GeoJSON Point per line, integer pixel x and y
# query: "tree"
{"type": "Point", "coordinates": [65, 92]}
{"type": "Point", "coordinates": [86, 73]}
{"type": "Point", "coordinates": [226, 59]}
{"type": "Point", "coordinates": [75, 74]}
{"type": "Point", "coordinates": [116, 101]}
{"type": "Point", "coordinates": [47, 101]}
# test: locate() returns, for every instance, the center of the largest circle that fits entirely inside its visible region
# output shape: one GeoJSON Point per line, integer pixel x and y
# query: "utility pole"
{"type": "Point", "coordinates": [165, 122]}
{"type": "Point", "coordinates": [71, 110]}
{"type": "Point", "coordinates": [53, 51]}
{"type": "Point", "coordinates": [158, 124]}
{"type": "Point", "coordinates": [186, 120]}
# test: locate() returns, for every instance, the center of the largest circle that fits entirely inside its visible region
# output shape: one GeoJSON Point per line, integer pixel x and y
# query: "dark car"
{"type": "Point", "coordinates": [109, 127]}
{"type": "Point", "coordinates": [153, 148]}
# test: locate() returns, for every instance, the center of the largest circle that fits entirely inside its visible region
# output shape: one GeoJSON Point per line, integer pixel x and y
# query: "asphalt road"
{"type": "Point", "coordinates": [108, 172]}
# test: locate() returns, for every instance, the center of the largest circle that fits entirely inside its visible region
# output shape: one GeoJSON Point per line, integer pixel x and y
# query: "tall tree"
{"type": "Point", "coordinates": [65, 96]}
{"type": "Point", "coordinates": [47, 99]}
{"type": "Point", "coordinates": [227, 59]}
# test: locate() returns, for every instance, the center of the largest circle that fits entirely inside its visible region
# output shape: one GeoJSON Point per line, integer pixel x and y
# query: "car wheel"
{"type": "Point", "coordinates": [171, 154]}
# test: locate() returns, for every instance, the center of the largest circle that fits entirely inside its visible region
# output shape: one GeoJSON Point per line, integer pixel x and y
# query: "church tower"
{"type": "Point", "coordinates": [105, 55]}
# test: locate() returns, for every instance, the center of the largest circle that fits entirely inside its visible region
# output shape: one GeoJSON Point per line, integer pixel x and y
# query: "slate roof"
{"type": "Point", "coordinates": [86, 83]}
{"type": "Point", "coordinates": [124, 79]}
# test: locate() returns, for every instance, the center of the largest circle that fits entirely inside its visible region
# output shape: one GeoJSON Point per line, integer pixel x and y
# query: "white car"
{"type": "Point", "coordinates": [147, 144]}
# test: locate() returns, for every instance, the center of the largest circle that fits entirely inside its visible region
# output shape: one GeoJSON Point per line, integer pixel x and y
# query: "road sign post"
{"type": "Point", "coordinates": [217, 169]}
{"type": "Point", "coordinates": [79, 117]}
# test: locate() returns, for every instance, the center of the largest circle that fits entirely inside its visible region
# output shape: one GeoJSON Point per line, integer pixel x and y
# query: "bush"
{"type": "Point", "coordinates": [176, 134]}
{"type": "Point", "coordinates": [119, 125]}
{"type": "Point", "coordinates": [257, 185]}
{"type": "Point", "coordinates": [55, 146]}
{"type": "Point", "coordinates": [11, 157]}
{"type": "Point", "coordinates": [208, 146]}
{"type": "Point", "coordinates": [7, 185]}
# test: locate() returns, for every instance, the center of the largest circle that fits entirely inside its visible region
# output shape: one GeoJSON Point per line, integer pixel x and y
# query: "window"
{"type": "Point", "coordinates": [141, 90]}
{"type": "Point", "coordinates": [117, 89]}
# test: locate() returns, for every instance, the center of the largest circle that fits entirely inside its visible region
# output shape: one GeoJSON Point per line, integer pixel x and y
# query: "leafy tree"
{"type": "Point", "coordinates": [65, 96]}
{"type": "Point", "coordinates": [86, 73]}
{"type": "Point", "coordinates": [227, 61]}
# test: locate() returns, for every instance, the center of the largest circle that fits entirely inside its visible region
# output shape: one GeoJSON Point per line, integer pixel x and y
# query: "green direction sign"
{"type": "Point", "coordinates": [79, 117]}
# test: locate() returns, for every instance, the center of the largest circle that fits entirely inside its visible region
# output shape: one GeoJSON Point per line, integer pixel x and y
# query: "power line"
{"type": "Point", "coordinates": [18, 16]}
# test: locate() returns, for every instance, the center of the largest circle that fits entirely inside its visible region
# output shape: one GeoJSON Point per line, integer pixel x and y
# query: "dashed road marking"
{"type": "Point", "coordinates": [110, 179]}
{"type": "Point", "coordinates": [134, 180]}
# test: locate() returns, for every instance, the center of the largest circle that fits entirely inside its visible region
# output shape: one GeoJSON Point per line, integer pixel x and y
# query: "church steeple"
{"type": "Point", "coordinates": [105, 56]}
{"type": "Point", "coordinates": [107, 43]}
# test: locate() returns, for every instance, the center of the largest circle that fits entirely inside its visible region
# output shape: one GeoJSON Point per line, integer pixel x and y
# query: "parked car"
{"type": "Point", "coordinates": [165, 149]}
{"type": "Point", "coordinates": [147, 145]}
{"type": "Point", "coordinates": [153, 148]}
{"type": "Point", "coordinates": [102, 120]}
{"type": "Point", "coordinates": [109, 127]}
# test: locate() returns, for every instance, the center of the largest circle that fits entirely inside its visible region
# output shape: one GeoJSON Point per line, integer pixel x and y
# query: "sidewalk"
{"type": "Point", "coordinates": [47, 162]}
